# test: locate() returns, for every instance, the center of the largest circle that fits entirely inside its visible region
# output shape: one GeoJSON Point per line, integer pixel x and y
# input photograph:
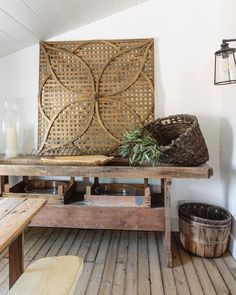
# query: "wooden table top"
{"type": "Point", "coordinates": [15, 215]}
{"type": "Point", "coordinates": [116, 168]}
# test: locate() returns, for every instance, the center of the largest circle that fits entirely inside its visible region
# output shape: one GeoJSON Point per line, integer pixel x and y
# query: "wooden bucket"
{"type": "Point", "coordinates": [204, 229]}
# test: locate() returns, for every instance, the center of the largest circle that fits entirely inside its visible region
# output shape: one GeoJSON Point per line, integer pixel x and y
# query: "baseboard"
{"type": "Point", "coordinates": [174, 224]}
{"type": "Point", "coordinates": [232, 246]}
{"type": "Point", "coordinates": [232, 238]}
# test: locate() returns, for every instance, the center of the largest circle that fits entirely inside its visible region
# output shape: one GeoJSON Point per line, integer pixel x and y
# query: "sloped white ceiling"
{"type": "Point", "coordinates": [25, 22]}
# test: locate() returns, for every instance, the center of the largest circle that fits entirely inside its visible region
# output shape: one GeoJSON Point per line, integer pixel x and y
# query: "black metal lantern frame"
{"type": "Point", "coordinates": [225, 64]}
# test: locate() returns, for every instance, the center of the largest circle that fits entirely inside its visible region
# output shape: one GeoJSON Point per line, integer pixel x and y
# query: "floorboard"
{"type": "Point", "coordinates": [132, 265]}
{"type": "Point", "coordinates": [128, 263]}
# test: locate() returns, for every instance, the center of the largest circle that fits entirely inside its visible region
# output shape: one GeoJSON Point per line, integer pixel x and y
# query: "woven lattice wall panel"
{"type": "Point", "coordinates": [91, 92]}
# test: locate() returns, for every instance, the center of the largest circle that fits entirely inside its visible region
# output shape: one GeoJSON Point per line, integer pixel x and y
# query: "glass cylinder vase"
{"type": "Point", "coordinates": [11, 129]}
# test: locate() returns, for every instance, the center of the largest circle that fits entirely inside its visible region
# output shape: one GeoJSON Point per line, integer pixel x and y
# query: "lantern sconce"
{"type": "Point", "coordinates": [225, 64]}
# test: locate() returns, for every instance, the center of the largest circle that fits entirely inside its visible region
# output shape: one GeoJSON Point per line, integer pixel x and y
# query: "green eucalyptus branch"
{"type": "Point", "coordinates": [140, 147]}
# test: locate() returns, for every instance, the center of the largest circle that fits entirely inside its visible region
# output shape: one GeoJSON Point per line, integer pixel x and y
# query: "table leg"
{"type": "Point", "coordinates": [4, 180]}
{"type": "Point", "coordinates": [16, 259]}
{"type": "Point", "coordinates": [167, 195]}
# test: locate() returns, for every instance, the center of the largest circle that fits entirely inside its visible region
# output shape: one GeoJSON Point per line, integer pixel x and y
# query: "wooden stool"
{"type": "Point", "coordinates": [49, 276]}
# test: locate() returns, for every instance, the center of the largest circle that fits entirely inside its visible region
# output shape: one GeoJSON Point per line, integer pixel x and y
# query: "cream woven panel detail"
{"type": "Point", "coordinates": [91, 92]}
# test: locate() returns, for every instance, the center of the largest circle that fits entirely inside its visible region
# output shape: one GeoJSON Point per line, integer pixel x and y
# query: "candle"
{"type": "Point", "coordinates": [11, 142]}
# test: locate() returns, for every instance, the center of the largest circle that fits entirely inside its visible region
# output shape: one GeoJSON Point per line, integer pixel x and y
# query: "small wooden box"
{"type": "Point", "coordinates": [53, 191]}
{"type": "Point", "coordinates": [118, 195]}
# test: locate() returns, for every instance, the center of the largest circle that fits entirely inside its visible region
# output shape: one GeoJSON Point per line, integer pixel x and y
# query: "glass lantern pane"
{"type": "Point", "coordinates": [225, 69]}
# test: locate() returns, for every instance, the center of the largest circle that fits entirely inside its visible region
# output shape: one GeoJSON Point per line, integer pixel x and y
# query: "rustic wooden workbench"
{"type": "Point", "coordinates": [123, 218]}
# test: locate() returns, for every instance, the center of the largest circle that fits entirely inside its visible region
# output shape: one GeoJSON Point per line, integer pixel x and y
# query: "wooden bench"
{"type": "Point", "coordinates": [49, 276]}
{"type": "Point", "coordinates": [15, 215]}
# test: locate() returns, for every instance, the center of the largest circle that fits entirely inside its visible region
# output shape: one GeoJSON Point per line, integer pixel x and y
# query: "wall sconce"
{"type": "Point", "coordinates": [225, 64]}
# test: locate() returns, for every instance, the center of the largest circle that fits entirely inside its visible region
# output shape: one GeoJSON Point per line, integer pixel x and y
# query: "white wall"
{"type": "Point", "coordinates": [186, 36]}
{"type": "Point", "coordinates": [228, 122]}
{"type": "Point", "coordinates": [19, 80]}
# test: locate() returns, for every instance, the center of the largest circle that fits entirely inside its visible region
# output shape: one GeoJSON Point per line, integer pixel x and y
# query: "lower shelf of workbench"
{"type": "Point", "coordinates": [120, 218]}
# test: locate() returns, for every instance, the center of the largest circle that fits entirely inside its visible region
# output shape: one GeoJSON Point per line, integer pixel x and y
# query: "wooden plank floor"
{"type": "Point", "coordinates": [122, 262]}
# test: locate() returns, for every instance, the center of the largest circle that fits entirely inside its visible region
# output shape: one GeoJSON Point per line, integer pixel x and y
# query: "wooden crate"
{"type": "Point", "coordinates": [63, 190]}
{"type": "Point", "coordinates": [139, 195]}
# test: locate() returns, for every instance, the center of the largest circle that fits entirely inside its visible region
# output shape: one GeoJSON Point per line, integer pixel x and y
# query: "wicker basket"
{"type": "Point", "coordinates": [204, 229]}
{"type": "Point", "coordinates": [180, 140]}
